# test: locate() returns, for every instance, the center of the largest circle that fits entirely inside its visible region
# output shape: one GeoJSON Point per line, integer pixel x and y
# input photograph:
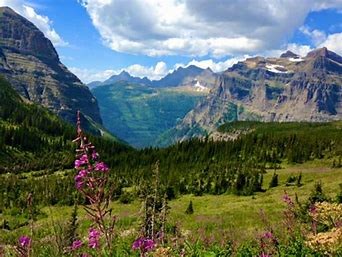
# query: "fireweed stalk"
{"type": "Point", "coordinates": [92, 181]}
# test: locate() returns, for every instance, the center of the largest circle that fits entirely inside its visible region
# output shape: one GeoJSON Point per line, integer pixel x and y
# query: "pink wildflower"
{"type": "Point", "coordinates": [24, 241]}
{"type": "Point", "coordinates": [94, 237]}
{"type": "Point", "coordinates": [76, 245]}
{"type": "Point", "coordinates": [100, 166]}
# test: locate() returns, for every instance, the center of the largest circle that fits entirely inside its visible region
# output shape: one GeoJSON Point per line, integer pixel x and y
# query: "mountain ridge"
{"type": "Point", "coordinates": [31, 64]}
{"type": "Point", "coordinates": [270, 89]}
{"type": "Point", "coordinates": [180, 77]}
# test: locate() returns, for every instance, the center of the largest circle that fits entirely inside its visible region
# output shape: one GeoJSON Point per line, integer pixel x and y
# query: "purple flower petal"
{"type": "Point", "coordinates": [24, 241]}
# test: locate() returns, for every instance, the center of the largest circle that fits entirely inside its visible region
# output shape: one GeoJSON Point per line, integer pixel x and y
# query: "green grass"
{"type": "Point", "coordinates": [237, 216]}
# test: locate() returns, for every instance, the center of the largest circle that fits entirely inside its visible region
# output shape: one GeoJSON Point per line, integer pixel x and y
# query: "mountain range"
{"type": "Point", "coordinates": [287, 88]}
{"type": "Point", "coordinates": [189, 102]}
{"type": "Point", "coordinates": [187, 76]}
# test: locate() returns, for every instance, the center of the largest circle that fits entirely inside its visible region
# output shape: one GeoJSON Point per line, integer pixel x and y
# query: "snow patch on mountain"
{"type": "Point", "coordinates": [276, 68]}
{"type": "Point", "coordinates": [200, 88]}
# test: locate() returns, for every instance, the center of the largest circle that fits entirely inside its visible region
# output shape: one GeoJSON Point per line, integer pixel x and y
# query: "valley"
{"type": "Point", "coordinates": [139, 114]}
{"type": "Point", "coordinates": [187, 153]}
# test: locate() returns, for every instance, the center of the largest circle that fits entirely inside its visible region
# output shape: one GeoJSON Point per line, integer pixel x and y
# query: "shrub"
{"type": "Point", "coordinates": [274, 180]}
{"type": "Point", "coordinates": [126, 197]}
{"type": "Point", "coordinates": [190, 209]}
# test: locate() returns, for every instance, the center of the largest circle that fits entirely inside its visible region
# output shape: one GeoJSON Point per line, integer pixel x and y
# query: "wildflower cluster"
{"type": "Point", "coordinates": [268, 244]}
{"type": "Point", "coordinates": [144, 245]}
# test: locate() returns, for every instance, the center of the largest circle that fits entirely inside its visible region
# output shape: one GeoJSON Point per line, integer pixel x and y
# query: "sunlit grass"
{"type": "Point", "coordinates": [238, 216]}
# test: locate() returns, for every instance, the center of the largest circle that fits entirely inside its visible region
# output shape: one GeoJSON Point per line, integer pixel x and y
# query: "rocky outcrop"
{"type": "Point", "coordinates": [289, 88]}
{"type": "Point", "coordinates": [30, 62]}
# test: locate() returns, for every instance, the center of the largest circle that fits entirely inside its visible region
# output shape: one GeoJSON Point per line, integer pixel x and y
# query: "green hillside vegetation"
{"type": "Point", "coordinates": [198, 166]}
{"type": "Point", "coordinates": [139, 114]}
{"type": "Point", "coordinates": [32, 138]}
{"type": "Point", "coordinates": [228, 183]}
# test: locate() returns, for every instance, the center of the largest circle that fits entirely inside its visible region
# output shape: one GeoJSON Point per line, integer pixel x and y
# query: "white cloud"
{"type": "Point", "coordinates": [214, 66]}
{"type": "Point", "coordinates": [42, 22]}
{"type": "Point", "coordinates": [316, 36]}
{"type": "Point", "coordinates": [333, 43]}
{"type": "Point", "coordinates": [199, 27]}
{"type": "Point", "coordinates": [89, 75]}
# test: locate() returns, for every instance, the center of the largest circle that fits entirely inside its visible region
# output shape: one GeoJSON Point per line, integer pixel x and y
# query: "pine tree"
{"type": "Point", "coordinates": [190, 209]}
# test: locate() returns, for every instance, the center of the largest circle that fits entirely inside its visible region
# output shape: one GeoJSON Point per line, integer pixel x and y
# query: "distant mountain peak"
{"type": "Point", "coordinates": [124, 73]}
{"type": "Point", "coordinates": [289, 54]}
{"type": "Point", "coordinates": [122, 76]}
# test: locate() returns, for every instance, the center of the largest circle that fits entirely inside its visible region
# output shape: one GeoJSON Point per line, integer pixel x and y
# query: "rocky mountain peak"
{"type": "Point", "coordinates": [320, 52]}
{"type": "Point", "coordinates": [289, 54]}
{"type": "Point", "coordinates": [124, 74]}
{"type": "Point", "coordinates": [18, 33]}
{"type": "Point", "coordinates": [324, 52]}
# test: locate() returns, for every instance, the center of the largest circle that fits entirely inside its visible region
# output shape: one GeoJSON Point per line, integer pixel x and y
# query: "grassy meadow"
{"type": "Point", "coordinates": [216, 217]}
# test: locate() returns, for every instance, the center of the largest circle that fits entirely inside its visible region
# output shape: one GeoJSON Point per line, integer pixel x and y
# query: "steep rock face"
{"type": "Point", "coordinates": [30, 62]}
{"type": "Point", "coordinates": [289, 88]}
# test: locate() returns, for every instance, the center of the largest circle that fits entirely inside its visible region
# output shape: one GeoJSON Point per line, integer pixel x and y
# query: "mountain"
{"type": "Point", "coordinates": [179, 76]}
{"type": "Point", "coordinates": [289, 88]}
{"type": "Point", "coordinates": [34, 138]}
{"type": "Point", "coordinates": [139, 113]}
{"type": "Point", "coordinates": [30, 62]}
{"type": "Point", "coordinates": [123, 76]}
{"type": "Point", "coordinates": [289, 54]}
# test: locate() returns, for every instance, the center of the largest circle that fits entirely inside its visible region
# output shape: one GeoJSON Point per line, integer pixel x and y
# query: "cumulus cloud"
{"type": "Point", "coordinates": [89, 75]}
{"type": "Point", "coordinates": [333, 43]}
{"type": "Point", "coordinates": [214, 66]}
{"type": "Point", "coordinates": [199, 27]}
{"type": "Point", "coordinates": [321, 39]}
{"type": "Point", "coordinates": [42, 22]}
{"type": "Point", "coordinates": [316, 36]}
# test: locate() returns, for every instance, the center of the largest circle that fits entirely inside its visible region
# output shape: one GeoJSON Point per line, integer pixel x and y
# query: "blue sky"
{"type": "Point", "coordinates": [98, 38]}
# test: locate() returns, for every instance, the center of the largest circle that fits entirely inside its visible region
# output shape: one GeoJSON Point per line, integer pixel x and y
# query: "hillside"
{"type": "Point", "coordinates": [30, 62]}
{"type": "Point", "coordinates": [138, 113]}
{"type": "Point", "coordinates": [33, 138]}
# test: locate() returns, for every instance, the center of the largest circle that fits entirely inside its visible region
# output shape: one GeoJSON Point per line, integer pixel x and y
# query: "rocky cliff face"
{"type": "Point", "coordinates": [289, 88]}
{"type": "Point", "coordinates": [30, 62]}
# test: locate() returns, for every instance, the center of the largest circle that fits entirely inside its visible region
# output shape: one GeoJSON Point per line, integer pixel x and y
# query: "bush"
{"type": "Point", "coordinates": [317, 194]}
{"type": "Point", "coordinates": [190, 209]}
{"type": "Point", "coordinates": [274, 180]}
{"type": "Point", "coordinates": [291, 180]}
{"type": "Point", "coordinates": [126, 197]}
